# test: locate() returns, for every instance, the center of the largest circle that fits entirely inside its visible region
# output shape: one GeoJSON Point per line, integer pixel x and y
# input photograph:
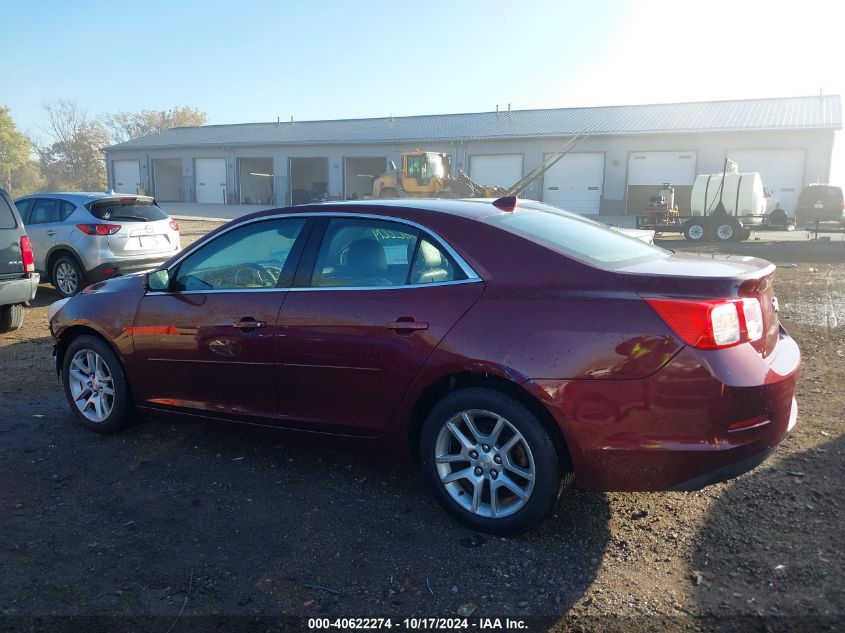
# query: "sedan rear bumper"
{"type": "Point", "coordinates": [697, 421]}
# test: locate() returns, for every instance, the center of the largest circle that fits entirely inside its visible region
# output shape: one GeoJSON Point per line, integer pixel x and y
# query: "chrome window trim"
{"type": "Point", "coordinates": [457, 282]}
{"type": "Point", "coordinates": [472, 276]}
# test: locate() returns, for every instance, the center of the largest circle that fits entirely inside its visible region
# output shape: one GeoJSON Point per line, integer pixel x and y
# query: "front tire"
{"type": "Point", "coordinates": [67, 276]}
{"type": "Point", "coordinates": [490, 461]}
{"type": "Point", "coordinates": [11, 317]}
{"type": "Point", "coordinates": [95, 385]}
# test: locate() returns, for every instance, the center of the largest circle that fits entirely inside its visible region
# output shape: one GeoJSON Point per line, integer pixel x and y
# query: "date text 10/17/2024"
{"type": "Point", "coordinates": [417, 624]}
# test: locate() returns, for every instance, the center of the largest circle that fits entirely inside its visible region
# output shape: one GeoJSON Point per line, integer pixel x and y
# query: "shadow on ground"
{"type": "Point", "coordinates": [787, 550]}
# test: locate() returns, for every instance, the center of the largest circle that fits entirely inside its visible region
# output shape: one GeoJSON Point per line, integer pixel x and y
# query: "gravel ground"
{"type": "Point", "coordinates": [202, 518]}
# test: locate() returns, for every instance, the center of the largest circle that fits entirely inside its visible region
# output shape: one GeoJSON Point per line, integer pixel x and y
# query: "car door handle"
{"type": "Point", "coordinates": [404, 325]}
{"type": "Point", "coordinates": [50, 233]}
{"type": "Point", "coordinates": [248, 323]}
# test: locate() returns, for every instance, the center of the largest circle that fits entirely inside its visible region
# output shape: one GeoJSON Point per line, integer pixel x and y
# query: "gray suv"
{"type": "Point", "coordinates": [82, 238]}
{"type": "Point", "coordinates": [18, 279]}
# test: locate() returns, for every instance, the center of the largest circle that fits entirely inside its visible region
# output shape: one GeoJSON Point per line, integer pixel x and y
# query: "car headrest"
{"type": "Point", "coordinates": [366, 257]}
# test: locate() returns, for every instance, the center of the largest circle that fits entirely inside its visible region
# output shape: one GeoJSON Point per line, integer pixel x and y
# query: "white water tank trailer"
{"type": "Point", "coordinates": [741, 193]}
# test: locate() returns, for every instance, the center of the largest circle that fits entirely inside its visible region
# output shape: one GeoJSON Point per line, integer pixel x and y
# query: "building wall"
{"type": "Point", "coordinates": [711, 149]}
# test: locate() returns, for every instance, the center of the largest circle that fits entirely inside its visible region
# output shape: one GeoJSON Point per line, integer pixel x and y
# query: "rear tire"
{"type": "Point", "coordinates": [89, 371]}
{"type": "Point", "coordinates": [503, 481]}
{"type": "Point", "coordinates": [728, 231]}
{"type": "Point", "coordinates": [67, 276]}
{"type": "Point", "coordinates": [11, 317]}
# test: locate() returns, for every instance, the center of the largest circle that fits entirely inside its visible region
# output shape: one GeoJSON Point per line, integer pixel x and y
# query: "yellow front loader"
{"type": "Point", "coordinates": [427, 175]}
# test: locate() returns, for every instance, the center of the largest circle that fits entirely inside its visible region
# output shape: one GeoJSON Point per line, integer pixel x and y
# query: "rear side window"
{"type": "Point", "coordinates": [46, 210]}
{"type": "Point", "coordinates": [7, 218]}
{"type": "Point", "coordinates": [573, 235]}
{"type": "Point", "coordinates": [432, 265]}
{"type": "Point", "coordinates": [364, 253]}
{"type": "Point", "coordinates": [127, 210]}
{"type": "Point", "coordinates": [66, 209]}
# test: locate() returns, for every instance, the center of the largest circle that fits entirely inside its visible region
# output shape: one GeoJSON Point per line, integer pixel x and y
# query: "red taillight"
{"type": "Point", "coordinates": [99, 229]}
{"type": "Point", "coordinates": [27, 255]}
{"type": "Point", "coordinates": [174, 225]}
{"type": "Point", "coordinates": [711, 323]}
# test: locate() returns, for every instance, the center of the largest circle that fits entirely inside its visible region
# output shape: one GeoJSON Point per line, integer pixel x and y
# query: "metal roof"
{"type": "Point", "coordinates": [791, 113]}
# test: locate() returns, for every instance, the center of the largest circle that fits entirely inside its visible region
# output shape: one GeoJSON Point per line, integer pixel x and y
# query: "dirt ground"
{"type": "Point", "coordinates": [200, 518]}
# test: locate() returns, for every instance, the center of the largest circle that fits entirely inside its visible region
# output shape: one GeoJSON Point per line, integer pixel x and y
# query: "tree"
{"type": "Point", "coordinates": [26, 179]}
{"type": "Point", "coordinates": [74, 160]}
{"type": "Point", "coordinates": [125, 126]}
{"type": "Point", "coordinates": [14, 148]}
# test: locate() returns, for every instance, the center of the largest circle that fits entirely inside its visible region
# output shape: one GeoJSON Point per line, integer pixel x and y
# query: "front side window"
{"type": "Point", "coordinates": [24, 207]}
{"type": "Point", "coordinates": [364, 253]}
{"type": "Point", "coordinates": [251, 257]}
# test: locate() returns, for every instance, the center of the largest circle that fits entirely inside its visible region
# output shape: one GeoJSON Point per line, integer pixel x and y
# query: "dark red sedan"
{"type": "Point", "coordinates": [510, 347]}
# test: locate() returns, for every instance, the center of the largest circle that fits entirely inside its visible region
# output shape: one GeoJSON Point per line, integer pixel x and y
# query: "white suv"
{"type": "Point", "coordinates": [81, 238]}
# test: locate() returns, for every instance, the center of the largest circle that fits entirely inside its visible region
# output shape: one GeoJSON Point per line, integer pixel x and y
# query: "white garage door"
{"type": "Point", "coordinates": [656, 168]}
{"type": "Point", "coordinates": [782, 171]}
{"type": "Point", "coordinates": [503, 170]}
{"type": "Point", "coordinates": [211, 180]}
{"type": "Point", "coordinates": [575, 182]}
{"type": "Point", "coordinates": [127, 176]}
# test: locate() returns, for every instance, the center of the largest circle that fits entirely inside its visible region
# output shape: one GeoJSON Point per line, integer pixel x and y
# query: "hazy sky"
{"type": "Point", "coordinates": [257, 60]}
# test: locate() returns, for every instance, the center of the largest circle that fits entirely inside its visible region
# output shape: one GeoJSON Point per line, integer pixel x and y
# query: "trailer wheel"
{"type": "Point", "coordinates": [728, 232]}
{"type": "Point", "coordinates": [695, 231]}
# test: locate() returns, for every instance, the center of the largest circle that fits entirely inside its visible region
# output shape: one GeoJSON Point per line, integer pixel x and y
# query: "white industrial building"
{"type": "Point", "coordinates": [631, 152]}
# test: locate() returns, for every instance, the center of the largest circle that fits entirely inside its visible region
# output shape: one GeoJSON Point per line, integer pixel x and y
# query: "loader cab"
{"type": "Point", "coordinates": [423, 166]}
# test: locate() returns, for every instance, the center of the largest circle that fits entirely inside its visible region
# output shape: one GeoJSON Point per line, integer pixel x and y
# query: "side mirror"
{"type": "Point", "coordinates": [158, 280]}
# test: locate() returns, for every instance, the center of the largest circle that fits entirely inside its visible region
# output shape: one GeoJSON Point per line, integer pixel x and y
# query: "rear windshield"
{"type": "Point", "coordinates": [7, 218]}
{"type": "Point", "coordinates": [827, 195]}
{"type": "Point", "coordinates": [129, 210]}
{"type": "Point", "coordinates": [579, 237]}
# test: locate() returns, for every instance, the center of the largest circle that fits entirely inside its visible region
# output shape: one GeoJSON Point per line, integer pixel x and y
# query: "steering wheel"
{"type": "Point", "coordinates": [252, 276]}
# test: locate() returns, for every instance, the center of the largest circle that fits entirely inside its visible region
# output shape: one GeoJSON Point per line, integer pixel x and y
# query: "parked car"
{"type": "Point", "coordinates": [81, 238]}
{"type": "Point", "coordinates": [819, 203]}
{"type": "Point", "coordinates": [511, 347]}
{"type": "Point", "coordinates": [18, 279]}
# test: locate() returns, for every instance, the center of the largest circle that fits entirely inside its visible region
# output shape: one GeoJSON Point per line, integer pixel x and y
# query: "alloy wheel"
{"type": "Point", "coordinates": [91, 385]}
{"type": "Point", "coordinates": [484, 463]}
{"type": "Point", "coordinates": [66, 278]}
